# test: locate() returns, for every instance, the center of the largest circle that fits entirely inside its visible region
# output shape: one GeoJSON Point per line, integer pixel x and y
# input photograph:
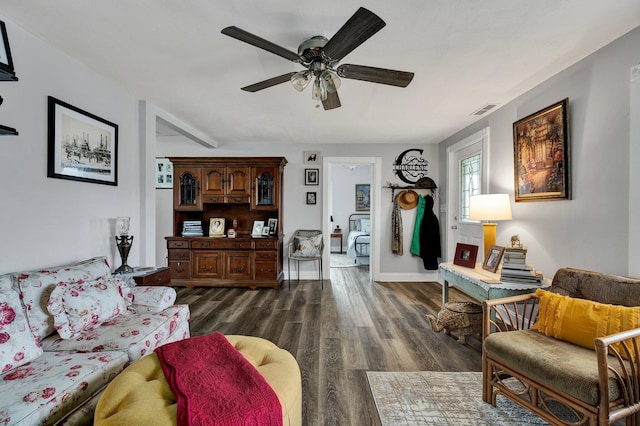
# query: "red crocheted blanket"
{"type": "Point", "coordinates": [215, 385]}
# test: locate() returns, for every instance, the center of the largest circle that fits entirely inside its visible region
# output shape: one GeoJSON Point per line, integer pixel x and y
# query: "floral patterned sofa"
{"type": "Point", "coordinates": [67, 331]}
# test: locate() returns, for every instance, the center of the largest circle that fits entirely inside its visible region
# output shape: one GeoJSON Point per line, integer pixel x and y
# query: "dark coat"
{"type": "Point", "coordinates": [430, 236]}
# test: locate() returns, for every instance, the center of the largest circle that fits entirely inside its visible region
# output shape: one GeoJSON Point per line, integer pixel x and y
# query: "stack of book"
{"type": "Point", "coordinates": [192, 228]}
{"type": "Point", "coordinates": [515, 268]}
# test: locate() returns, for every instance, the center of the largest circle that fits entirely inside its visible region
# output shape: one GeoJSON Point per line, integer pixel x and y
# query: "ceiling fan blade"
{"type": "Point", "coordinates": [254, 40]}
{"type": "Point", "coordinates": [268, 83]}
{"type": "Point", "coordinates": [375, 75]}
{"type": "Point", "coordinates": [362, 25]}
{"type": "Point", "coordinates": [332, 101]}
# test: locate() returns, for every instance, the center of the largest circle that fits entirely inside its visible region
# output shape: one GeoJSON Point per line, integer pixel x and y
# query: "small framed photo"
{"type": "Point", "coordinates": [265, 231]}
{"type": "Point", "coordinates": [257, 228]}
{"type": "Point", "coordinates": [493, 258]}
{"type": "Point", "coordinates": [216, 227]}
{"type": "Point", "coordinates": [164, 173]}
{"type": "Point", "coordinates": [273, 226]}
{"type": "Point", "coordinates": [82, 146]}
{"type": "Point", "coordinates": [363, 197]}
{"type": "Point", "coordinates": [311, 198]}
{"type": "Point", "coordinates": [231, 233]}
{"type": "Point", "coordinates": [312, 157]}
{"type": "Point", "coordinates": [6, 62]}
{"type": "Point", "coordinates": [466, 255]}
{"type": "Point", "coordinates": [311, 176]}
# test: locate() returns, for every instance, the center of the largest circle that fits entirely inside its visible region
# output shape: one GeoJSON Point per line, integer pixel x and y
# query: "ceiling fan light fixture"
{"type": "Point", "coordinates": [330, 80]}
{"type": "Point", "coordinates": [300, 80]}
{"type": "Point", "coordinates": [319, 92]}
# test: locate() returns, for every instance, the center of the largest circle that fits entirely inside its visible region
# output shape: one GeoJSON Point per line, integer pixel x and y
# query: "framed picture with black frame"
{"type": "Point", "coordinates": [311, 198]}
{"type": "Point", "coordinates": [82, 146]}
{"type": "Point", "coordinates": [6, 61]}
{"type": "Point", "coordinates": [311, 176]}
{"type": "Point", "coordinates": [466, 255]}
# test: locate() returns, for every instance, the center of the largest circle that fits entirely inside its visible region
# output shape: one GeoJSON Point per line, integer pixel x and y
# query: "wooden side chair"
{"type": "Point", "coordinates": [305, 245]}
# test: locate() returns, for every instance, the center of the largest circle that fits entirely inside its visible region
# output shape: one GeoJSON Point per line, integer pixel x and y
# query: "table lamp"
{"type": "Point", "coordinates": [123, 241]}
{"type": "Point", "coordinates": [489, 207]}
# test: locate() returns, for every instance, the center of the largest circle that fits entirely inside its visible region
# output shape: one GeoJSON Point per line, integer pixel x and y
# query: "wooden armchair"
{"type": "Point", "coordinates": [562, 382]}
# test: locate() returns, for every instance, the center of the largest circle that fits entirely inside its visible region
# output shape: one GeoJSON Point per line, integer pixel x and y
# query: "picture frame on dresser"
{"type": "Point", "coordinates": [216, 227]}
{"type": "Point", "coordinates": [81, 146]}
{"type": "Point", "coordinates": [256, 231]}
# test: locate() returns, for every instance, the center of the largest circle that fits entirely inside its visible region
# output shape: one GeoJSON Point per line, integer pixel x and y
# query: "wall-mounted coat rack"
{"type": "Point", "coordinates": [423, 183]}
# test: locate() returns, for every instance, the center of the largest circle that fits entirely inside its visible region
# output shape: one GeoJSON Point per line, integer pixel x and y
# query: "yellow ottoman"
{"type": "Point", "coordinates": [140, 395]}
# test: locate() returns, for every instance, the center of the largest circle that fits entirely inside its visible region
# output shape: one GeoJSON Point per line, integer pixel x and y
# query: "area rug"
{"type": "Point", "coordinates": [438, 398]}
{"type": "Point", "coordinates": [342, 261]}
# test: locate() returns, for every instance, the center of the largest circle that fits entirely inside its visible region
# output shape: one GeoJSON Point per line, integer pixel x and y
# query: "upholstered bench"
{"type": "Point", "coordinates": [141, 395]}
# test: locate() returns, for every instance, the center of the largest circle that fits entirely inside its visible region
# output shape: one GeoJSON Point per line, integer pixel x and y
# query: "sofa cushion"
{"type": "Point", "coordinates": [134, 333]}
{"type": "Point", "coordinates": [17, 344]}
{"type": "Point", "coordinates": [580, 321]}
{"type": "Point", "coordinates": [80, 306]}
{"type": "Point", "coordinates": [152, 299]}
{"type": "Point", "coordinates": [560, 365]}
{"type": "Point", "coordinates": [36, 287]}
{"type": "Point", "coordinates": [46, 389]}
{"type": "Point", "coordinates": [596, 286]}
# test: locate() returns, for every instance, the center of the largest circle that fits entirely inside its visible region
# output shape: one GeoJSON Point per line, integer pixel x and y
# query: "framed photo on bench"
{"type": "Point", "coordinates": [493, 258]}
{"type": "Point", "coordinates": [466, 255]}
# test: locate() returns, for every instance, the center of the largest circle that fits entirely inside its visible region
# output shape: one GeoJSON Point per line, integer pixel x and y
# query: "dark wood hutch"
{"type": "Point", "coordinates": [241, 190]}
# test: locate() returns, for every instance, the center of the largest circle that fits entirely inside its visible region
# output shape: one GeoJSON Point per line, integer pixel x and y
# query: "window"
{"type": "Point", "coordinates": [469, 183]}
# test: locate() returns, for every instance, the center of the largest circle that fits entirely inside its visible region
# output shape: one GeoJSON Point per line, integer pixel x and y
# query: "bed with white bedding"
{"type": "Point", "coordinates": [359, 238]}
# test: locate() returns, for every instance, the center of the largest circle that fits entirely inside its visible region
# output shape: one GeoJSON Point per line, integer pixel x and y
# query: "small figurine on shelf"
{"type": "Point", "coordinates": [337, 230]}
{"type": "Point", "coordinates": [515, 241]}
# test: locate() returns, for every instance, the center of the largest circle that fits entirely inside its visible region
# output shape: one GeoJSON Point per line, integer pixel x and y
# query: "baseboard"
{"type": "Point", "coordinates": [409, 277]}
{"type": "Point", "coordinates": [384, 277]}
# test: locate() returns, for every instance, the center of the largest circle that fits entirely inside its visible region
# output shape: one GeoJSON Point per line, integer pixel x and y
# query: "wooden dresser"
{"type": "Point", "coordinates": [243, 191]}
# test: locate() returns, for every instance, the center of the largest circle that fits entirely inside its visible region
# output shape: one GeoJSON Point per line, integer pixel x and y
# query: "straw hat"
{"type": "Point", "coordinates": [408, 199]}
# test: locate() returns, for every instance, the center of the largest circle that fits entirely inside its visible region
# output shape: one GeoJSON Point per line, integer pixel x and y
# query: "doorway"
{"type": "Point", "coordinates": [467, 175]}
{"type": "Point", "coordinates": [361, 167]}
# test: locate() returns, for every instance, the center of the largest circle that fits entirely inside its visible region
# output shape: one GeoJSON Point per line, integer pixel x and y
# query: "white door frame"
{"type": "Point", "coordinates": [376, 189]}
{"type": "Point", "coordinates": [480, 136]}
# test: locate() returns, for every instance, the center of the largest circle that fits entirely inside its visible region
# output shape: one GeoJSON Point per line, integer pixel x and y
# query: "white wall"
{"type": "Point", "coordinates": [46, 221]}
{"type": "Point", "coordinates": [591, 230]}
{"type": "Point", "coordinates": [297, 214]}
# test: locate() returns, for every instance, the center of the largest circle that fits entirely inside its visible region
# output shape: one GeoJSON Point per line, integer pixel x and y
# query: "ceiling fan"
{"type": "Point", "coordinates": [320, 56]}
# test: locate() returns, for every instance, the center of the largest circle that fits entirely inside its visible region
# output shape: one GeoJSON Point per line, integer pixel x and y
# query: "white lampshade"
{"type": "Point", "coordinates": [490, 207]}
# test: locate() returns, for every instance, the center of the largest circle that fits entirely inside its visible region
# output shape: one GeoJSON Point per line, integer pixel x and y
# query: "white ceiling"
{"type": "Point", "coordinates": [464, 53]}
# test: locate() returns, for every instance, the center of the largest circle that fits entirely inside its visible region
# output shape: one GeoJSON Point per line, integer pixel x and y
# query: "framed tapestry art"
{"type": "Point", "coordinates": [541, 155]}
{"type": "Point", "coordinates": [82, 146]}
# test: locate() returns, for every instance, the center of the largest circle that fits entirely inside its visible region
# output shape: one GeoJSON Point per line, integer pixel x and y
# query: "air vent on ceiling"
{"type": "Point", "coordinates": [484, 109]}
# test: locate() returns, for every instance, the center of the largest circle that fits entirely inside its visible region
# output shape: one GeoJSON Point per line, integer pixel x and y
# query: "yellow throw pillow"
{"type": "Point", "coordinates": [580, 321]}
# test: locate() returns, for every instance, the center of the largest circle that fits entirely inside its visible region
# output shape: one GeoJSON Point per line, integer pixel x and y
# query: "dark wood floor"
{"type": "Point", "coordinates": [338, 333]}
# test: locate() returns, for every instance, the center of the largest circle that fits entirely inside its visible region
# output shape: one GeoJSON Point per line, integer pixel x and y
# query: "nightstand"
{"type": "Point", "coordinates": [337, 235]}
{"type": "Point", "coordinates": [158, 275]}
